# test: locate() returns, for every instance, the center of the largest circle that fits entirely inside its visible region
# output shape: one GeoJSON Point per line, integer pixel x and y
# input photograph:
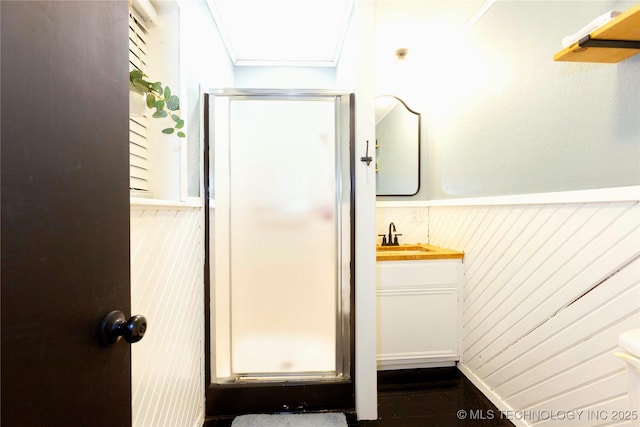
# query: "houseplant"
{"type": "Point", "coordinates": [165, 103]}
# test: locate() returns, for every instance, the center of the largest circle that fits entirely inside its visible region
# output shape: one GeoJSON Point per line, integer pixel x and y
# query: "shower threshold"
{"type": "Point", "coordinates": [284, 378]}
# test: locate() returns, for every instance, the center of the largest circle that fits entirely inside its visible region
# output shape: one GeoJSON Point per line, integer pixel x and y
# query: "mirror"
{"type": "Point", "coordinates": [397, 148]}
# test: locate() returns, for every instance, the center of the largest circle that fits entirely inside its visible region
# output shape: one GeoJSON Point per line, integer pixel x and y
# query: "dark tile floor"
{"type": "Point", "coordinates": [431, 398]}
{"type": "Point", "coordinates": [440, 397]}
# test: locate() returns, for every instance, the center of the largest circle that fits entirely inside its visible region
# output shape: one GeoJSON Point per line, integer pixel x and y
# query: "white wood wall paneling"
{"type": "Point", "coordinates": [556, 370]}
{"type": "Point", "coordinates": [494, 246]}
{"type": "Point", "coordinates": [159, 267]}
{"type": "Point", "coordinates": [605, 408]}
{"type": "Point", "coordinates": [592, 386]}
{"type": "Point", "coordinates": [536, 255]}
{"type": "Point", "coordinates": [166, 270]}
{"type": "Point", "coordinates": [452, 227]}
{"type": "Point", "coordinates": [483, 271]}
{"type": "Point", "coordinates": [582, 396]}
{"type": "Point", "coordinates": [547, 264]}
{"type": "Point", "coordinates": [578, 321]}
{"type": "Point", "coordinates": [475, 244]}
{"type": "Point", "coordinates": [547, 291]}
{"type": "Point", "coordinates": [527, 242]}
{"type": "Point", "coordinates": [519, 264]}
{"type": "Point", "coordinates": [579, 361]}
{"type": "Point", "coordinates": [556, 284]}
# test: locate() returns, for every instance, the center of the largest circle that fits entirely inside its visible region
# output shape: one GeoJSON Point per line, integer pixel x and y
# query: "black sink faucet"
{"type": "Point", "coordinates": [390, 238]}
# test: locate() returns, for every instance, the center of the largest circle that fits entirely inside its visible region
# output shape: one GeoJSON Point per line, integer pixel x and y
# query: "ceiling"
{"type": "Point", "coordinates": [282, 32]}
{"type": "Point", "coordinates": [311, 32]}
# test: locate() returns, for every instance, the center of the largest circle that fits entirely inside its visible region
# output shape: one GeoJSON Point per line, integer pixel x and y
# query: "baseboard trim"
{"type": "Point", "coordinates": [403, 364]}
{"type": "Point", "coordinates": [491, 395]}
{"type": "Point", "coordinates": [417, 360]}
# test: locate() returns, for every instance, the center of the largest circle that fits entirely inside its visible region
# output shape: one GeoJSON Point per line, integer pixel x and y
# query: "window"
{"type": "Point", "coordinates": [138, 142]}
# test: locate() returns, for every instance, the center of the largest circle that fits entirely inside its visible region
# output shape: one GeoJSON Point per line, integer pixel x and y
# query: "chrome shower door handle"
{"type": "Point", "coordinates": [367, 158]}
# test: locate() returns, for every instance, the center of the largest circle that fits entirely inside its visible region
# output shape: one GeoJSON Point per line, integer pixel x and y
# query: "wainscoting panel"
{"type": "Point", "coordinates": [547, 290]}
{"type": "Point", "coordinates": [166, 287]}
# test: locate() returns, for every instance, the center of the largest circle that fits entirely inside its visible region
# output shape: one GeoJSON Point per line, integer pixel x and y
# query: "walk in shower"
{"type": "Point", "coordinates": [280, 232]}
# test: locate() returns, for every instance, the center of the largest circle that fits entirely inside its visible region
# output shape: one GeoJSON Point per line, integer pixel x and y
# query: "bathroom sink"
{"type": "Point", "coordinates": [404, 249]}
{"type": "Point", "coordinates": [414, 252]}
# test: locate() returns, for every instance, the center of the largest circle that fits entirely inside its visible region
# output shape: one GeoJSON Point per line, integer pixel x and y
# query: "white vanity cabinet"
{"type": "Point", "coordinates": [418, 313]}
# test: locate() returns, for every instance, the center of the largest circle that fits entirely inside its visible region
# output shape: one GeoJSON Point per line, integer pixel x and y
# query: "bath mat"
{"type": "Point", "coordinates": [291, 420]}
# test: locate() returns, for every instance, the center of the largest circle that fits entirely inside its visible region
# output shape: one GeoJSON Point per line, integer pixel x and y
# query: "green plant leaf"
{"type": "Point", "coordinates": [167, 92]}
{"type": "Point", "coordinates": [173, 103]}
{"type": "Point", "coordinates": [159, 114]}
{"type": "Point", "coordinates": [158, 105]}
{"type": "Point", "coordinates": [135, 74]}
{"type": "Point", "coordinates": [181, 134]}
{"type": "Point", "coordinates": [180, 124]}
{"type": "Point", "coordinates": [146, 83]}
{"type": "Point", "coordinates": [157, 88]}
{"type": "Point", "coordinates": [168, 131]}
{"type": "Point", "coordinates": [175, 118]}
{"type": "Point", "coordinates": [150, 100]}
{"type": "Point", "coordinates": [141, 85]}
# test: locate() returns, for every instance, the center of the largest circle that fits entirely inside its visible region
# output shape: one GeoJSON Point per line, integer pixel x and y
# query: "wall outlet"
{"type": "Point", "coordinates": [417, 215]}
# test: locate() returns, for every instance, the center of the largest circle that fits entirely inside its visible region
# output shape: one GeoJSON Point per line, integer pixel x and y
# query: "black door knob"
{"type": "Point", "coordinates": [115, 325]}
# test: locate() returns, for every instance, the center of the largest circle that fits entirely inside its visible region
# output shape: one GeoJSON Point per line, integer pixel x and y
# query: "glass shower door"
{"type": "Point", "coordinates": [279, 239]}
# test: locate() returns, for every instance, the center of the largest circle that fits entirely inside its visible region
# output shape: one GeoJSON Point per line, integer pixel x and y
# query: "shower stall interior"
{"type": "Point", "coordinates": [280, 233]}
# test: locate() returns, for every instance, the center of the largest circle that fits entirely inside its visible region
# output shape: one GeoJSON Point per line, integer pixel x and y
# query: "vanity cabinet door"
{"type": "Point", "coordinates": [417, 313]}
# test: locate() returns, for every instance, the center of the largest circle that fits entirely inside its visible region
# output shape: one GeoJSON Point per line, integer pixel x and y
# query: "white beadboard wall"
{"type": "Point", "coordinates": [547, 290]}
{"type": "Point", "coordinates": [166, 287]}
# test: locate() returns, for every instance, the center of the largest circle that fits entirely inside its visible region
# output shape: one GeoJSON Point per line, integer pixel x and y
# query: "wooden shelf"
{"type": "Point", "coordinates": [625, 27]}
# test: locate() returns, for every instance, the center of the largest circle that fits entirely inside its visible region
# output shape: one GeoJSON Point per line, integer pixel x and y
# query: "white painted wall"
{"type": "Point", "coordinates": [499, 115]}
{"type": "Point", "coordinates": [271, 77]}
{"type": "Point", "coordinates": [204, 64]}
{"type": "Point", "coordinates": [548, 286]}
{"type": "Point", "coordinates": [163, 53]}
{"type": "Point", "coordinates": [167, 248]}
{"type": "Point", "coordinates": [354, 72]}
{"type": "Point", "coordinates": [150, 226]}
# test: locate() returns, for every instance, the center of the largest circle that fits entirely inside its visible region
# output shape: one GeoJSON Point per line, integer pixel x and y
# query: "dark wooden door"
{"type": "Point", "coordinates": [65, 212]}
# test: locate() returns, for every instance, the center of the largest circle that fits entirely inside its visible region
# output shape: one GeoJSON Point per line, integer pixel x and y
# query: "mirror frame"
{"type": "Point", "coordinates": [419, 148]}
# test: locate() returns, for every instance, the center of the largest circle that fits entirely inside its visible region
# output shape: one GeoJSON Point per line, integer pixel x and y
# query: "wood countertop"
{"type": "Point", "coordinates": [415, 252]}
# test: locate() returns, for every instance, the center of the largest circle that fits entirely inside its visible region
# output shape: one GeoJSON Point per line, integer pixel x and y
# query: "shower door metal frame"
{"type": "Point", "coordinates": [298, 391]}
